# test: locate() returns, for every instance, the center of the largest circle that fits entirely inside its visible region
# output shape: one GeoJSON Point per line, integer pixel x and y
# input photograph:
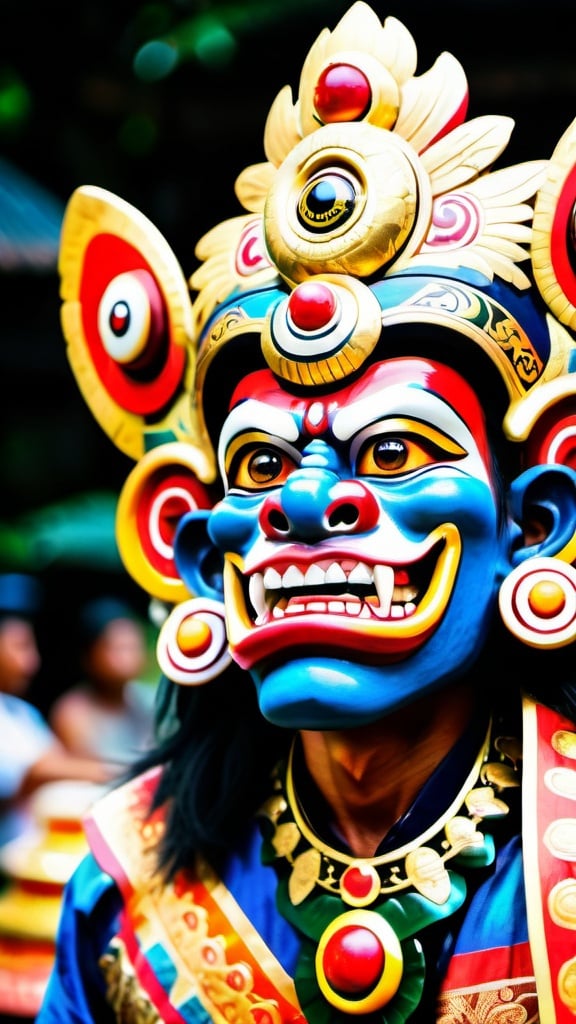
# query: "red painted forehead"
{"type": "Point", "coordinates": [434, 377]}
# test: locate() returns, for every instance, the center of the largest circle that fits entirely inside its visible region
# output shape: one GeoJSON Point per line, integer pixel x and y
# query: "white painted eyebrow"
{"type": "Point", "coordinates": [400, 400]}
{"type": "Point", "coordinates": [253, 415]}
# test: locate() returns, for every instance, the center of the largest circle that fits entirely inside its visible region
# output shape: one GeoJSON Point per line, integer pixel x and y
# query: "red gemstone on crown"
{"type": "Point", "coordinates": [342, 93]}
{"type": "Point", "coordinates": [353, 960]}
{"type": "Point", "coordinates": [312, 305]}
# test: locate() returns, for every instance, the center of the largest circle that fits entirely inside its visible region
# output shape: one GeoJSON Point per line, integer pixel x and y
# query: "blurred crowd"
{"type": "Point", "coordinates": [54, 760]}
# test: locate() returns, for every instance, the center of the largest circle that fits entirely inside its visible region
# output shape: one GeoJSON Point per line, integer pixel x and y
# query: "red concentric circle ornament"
{"type": "Point", "coordinates": [538, 602]}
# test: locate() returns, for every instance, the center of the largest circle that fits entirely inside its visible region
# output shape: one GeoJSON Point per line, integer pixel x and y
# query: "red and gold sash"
{"type": "Point", "coordinates": [190, 945]}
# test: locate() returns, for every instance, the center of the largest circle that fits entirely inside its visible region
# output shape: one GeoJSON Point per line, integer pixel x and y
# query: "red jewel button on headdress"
{"type": "Point", "coordinates": [342, 93]}
{"type": "Point", "coordinates": [323, 330]}
{"type": "Point", "coordinates": [312, 306]}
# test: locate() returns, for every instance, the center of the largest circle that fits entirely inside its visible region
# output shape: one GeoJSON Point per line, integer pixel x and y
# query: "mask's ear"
{"type": "Point", "coordinates": [542, 502]}
{"type": "Point", "coordinates": [199, 562]}
{"type": "Point", "coordinates": [192, 647]}
{"type": "Point", "coordinates": [538, 598]}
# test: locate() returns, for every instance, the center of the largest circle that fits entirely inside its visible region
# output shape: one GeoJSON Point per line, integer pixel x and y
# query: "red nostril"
{"type": "Point", "coordinates": [352, 507]}
{"type": "Point", "coordinates": [273, 520]}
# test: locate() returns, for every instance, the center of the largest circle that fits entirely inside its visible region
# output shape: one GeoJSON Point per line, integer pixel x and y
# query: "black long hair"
{"type": "Point", "coordinates": [217, 753]}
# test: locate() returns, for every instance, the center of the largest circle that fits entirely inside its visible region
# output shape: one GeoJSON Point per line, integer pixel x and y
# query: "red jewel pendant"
{"type": "Point", "coordinates": [359, 962]}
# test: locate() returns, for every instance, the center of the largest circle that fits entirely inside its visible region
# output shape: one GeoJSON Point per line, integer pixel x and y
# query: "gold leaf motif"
{"type": "Point", "coordinates": [426, 871]}
{"type": "Point", "coordinates": [286, 838]}
{"type": "Point", "coordinates": [462, 834]}
{"type": "Point", "coordinates": [305, 872]}
{"type": "Point", "coordinates": [501, 775]}
{"type": "Point", "coordinates": [510, 746]}
{"type": "Point", "coordinates": [484, 804]}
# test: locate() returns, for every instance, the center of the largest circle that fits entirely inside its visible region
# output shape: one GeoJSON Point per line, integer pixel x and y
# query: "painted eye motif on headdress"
{"type": "Point", "coordinates": [344, 201]}
{"type": "Point", "coordinates": [329, 200]}
{"type": "Point", "coordinates": [131, 320]}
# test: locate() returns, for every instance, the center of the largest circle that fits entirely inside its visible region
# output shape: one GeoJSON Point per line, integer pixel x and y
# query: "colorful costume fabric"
{"type": "Point", "coordinates": [217, 948]}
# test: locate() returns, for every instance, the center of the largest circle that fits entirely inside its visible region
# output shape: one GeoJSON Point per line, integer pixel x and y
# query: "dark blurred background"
{"type": "Point", "coordinates": [164, 103]}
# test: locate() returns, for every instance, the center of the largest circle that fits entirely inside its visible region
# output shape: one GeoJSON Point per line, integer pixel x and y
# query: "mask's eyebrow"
{"type": "Point", "coordinates": [253, 415]}
{"type": "Point", "coordinates": [401, 400]}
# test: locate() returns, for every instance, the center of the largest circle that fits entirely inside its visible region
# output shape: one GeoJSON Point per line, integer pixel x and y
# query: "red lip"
{"type": "Point", "coordinates": [322, 633]}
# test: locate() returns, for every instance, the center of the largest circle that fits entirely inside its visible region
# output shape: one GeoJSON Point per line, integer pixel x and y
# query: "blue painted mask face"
{"type": "Point", "coordinates": [362, 542]}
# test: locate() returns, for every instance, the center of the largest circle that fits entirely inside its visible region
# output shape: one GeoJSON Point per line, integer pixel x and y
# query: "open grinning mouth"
{"type": "Point", "coordinates": [341, 601]}
{"type": "Point", "coordinates": [341, 586]}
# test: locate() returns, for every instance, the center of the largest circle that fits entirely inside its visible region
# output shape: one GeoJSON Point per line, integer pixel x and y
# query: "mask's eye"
{"type": "Point", "coordinates": [254, 467]}
{"type": "Point", "coordinates": [328, 200]}
{"type": "Point", "coordinates": [394, 454]}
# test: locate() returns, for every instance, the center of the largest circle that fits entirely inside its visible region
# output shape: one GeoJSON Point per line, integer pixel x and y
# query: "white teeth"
{"type": "Point", "coordinates": [292, 578]}
{"type": "Point", "coordinates": [360, 574]}
{"type": "Point", "coordinates": [384, 583]}
{"type": "Point", "coordinates": [315, 576]}
{"type": "Point", "coordinates": [393, 603]}
{"type": "Point", "coordinates": [272, 579]}
{"type": "Point", "coordinates": [336, 574]}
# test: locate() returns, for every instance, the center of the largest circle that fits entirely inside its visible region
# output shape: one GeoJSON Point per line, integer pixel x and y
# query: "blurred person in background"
{"type": "Point", "coordinates": [30, 753]}
{"type": "Point", "coordinates": [108, 714]}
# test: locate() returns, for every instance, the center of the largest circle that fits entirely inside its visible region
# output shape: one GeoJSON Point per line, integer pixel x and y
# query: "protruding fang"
{"type": "Point", "coordinates": [257, 595]}
{"type": "Point", "coordinates": [384, 583]}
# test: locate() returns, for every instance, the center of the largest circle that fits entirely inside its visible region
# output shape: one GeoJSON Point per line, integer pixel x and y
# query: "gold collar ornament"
{"type": "Point", "coordinates": [359, 917]}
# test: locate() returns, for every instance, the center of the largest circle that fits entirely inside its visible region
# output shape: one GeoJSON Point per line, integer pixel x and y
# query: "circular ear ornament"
{"type": "Point", "coordinates": [160, 490]}
{"type": "Point", "coordinates": [538, 602]}
{"type": "Point", "coordinates": [192, 646]}
{"type": "Point", "coordinates": [323, 331]}
{"type": "Point", "coordinates": [344, 201]}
